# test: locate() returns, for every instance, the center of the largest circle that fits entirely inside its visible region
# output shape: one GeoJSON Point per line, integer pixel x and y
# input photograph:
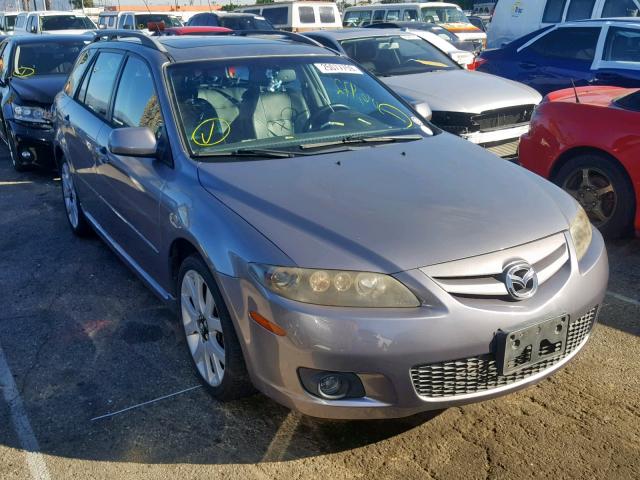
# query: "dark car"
{"type": "Point", "coordinates": [33, 70]}
{"type": "Point", "coordinates": [588, 52]}
{"type": "Point", "coordinates": [234, 21]}
{"type": "Point", "coordinates": [450, 37]}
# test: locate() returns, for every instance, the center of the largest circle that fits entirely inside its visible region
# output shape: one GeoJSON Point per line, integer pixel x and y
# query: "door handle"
{"type": "Point", "coordinates": [66, 118]}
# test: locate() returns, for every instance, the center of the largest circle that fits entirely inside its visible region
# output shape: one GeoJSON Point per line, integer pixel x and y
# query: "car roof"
{"type": "Point", "coordinates": [50, 13]}
{"type": "Point", "coordinates": [184, 48]}
{"type": "Point", "coordinates": [373, 6]}
{"type": "Point", "coordinates": [349, 33]}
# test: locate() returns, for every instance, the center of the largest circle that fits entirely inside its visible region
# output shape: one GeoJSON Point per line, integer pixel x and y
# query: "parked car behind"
{"type": "Point", "coordinates": [136, 20]}
{"type": "Point", "coordinates": [447, 15]}
{"type": "Point", "coordinates": [347, 259]}
{"type": "Point", "coordinates": [483, 109]}
{"type": "Point", "coordinates": [588, 142]}
{"type": "Point", "coordinates": [232, 20]}
{"type": "Point", "coordinates": [297, 16]}
{"type": "Point", "coordinates": [441, 32]}
{"type": "Point", "coordinates": [591, 52]}
{"type": "Point", "coordinates": [34, 69]}
{"type": "Point", "coordinates": [7, 22]}
{"type": "Point", "coordinates": [461, 57]}
{"type": "Point", "coordinates": [52, 22]}
{"type": "Point", "coordinates": [513, 19]}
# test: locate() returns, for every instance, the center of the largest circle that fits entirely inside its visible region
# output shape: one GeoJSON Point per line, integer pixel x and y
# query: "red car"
{"type": "Point", "coordinates": [587, 141]}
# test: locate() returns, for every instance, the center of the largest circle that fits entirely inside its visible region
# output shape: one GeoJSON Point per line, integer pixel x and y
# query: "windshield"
{"type": "Point", "coordinates": [65, 22]}
{"type": "Point", "coordinates": [9, 22]}
{"type": "Point", "coordinates": [45, 58]}
{"type": "Point", "coordinates": [245, 23]}
{"type": "Point", "coordinates": [169, 20]}
{"type": "Point", "coordinates": [285, 104]}
{"type": "Point", "coordinates": [400, 54]}
{"type": "Point", "coordinates": [443, 15]}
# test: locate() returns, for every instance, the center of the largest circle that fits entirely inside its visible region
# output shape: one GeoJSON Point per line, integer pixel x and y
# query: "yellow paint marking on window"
{"type": "Point", "coordinates": [430, 63]}
{"type": "Point", "coordinates": [8, 184]}
{"type": "Point", "coordinates": [387, 109]}
{"type": "Point", "coordinates": [204, 134]}
{"type": "Point", "coordinates": [24, 72]}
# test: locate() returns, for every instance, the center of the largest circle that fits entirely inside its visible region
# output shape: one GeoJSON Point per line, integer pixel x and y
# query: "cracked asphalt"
{"type": "Point", "coordinates": [84, 338]}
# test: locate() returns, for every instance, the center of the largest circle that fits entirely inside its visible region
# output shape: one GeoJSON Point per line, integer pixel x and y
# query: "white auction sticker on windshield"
{"type": "Point", "coordinates": [338, 68]}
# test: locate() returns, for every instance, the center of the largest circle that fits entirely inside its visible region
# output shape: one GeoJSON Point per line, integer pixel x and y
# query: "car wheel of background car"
{"type": "Point", "coordinates": [18, 166]}
{"type": "Point", "coordinates": [75, 216]}
{"type": "Point", "coordinates": [209, 332]}
{"type": "Point", "coordinates": [603, 189]}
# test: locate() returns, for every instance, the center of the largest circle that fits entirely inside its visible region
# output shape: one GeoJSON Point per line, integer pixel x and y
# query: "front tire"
{"type": "Point", "coordinates": [209, 333]}
{"type": "Point", "coordinates": [603, 189]}
{"type": "Point", "coordinates": [16, 163]}
{"type": "Point", "coordinates": [77, 221]}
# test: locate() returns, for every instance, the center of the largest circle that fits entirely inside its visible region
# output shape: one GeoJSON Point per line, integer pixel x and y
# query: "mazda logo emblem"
{"type": "Point", "coordinates": [521, 280]}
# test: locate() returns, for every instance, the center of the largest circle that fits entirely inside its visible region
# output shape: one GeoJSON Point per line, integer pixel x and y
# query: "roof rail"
{"type": "Point", "coordinates": [116, 34]}
{"type": "Point", "coordinates": [290, 35]}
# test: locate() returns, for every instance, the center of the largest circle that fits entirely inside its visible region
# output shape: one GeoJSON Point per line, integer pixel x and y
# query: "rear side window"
{"type": "Point", "coordinates": [580, 9]}
{"type": "Point", "coordinates": [137, 107]}
{"type": "Point", "coordinates": [410, 15]}
{"type": "Point", "coordinates": [99, 85]}
{"type": "Point", "coordinates": [327, 15]}
{"type": "Point", "coordinates": [203, 20]}
{"type": "Point", "coordinates": [78, 70]}
{"type": "Point", "coordinates": [306, 15]}
{"type": "Point", "coordinates": [553, 11]}
{"type": "Point", "coordinates": [378, 16]}
{"type": "Point", "coordinates": [619, 8]}
{"type": "Point", "coordinates": [102, 20]}
{"type": "Point", "coordinates": [623, 45]}
{"type": "Point", "coordinates": [111, 21]}
{"type": "Point", "coordinates": [393, 15]}
{"type": "Point", "coordinates": [572, 43]}
{"type": "Point", "coordinates": [276, 15]}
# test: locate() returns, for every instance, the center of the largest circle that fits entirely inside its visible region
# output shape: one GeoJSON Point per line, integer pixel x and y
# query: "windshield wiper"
{"type": "Point", "coordinates": [251, 152]}
{"type": "Point", "coordinates": [363, 139]}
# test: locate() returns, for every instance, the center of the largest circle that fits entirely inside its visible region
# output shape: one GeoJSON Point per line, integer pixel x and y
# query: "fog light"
{"type": "Point", "coordinates": [25, 154]}
{"type": "Point", "coordinates": [330, 386]}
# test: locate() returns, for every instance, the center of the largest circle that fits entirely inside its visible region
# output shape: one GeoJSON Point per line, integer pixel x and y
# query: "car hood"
{"type": "Point", "coordinates": [462, 90]}
{"type": "Point", "coordinates": [390, 208]}
{"type": "Point", "coordinates": [38, 89]}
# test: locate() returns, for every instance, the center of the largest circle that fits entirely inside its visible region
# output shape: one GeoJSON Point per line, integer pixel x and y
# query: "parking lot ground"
{"type": "Point", "coordinates": [83, 338]}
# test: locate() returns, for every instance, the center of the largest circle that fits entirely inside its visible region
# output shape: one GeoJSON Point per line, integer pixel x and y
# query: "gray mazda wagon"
{"type": "Point", "coordinates": [319, 239]}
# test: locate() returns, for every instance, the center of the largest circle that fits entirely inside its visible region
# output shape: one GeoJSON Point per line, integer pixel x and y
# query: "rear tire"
{"type": "Point", "coordinates": [603, 189]}
{"type": "Point", "coordinates": [209, 333]}
{"type": "Point", "coordinates": [75, 216]}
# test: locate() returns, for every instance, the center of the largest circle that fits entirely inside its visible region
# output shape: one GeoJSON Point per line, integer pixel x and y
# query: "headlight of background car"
{"type": "Point", "coordinates": [31, 114]}
{"type": "Point", "coordinates": [581, 233]}
{"type": "Point", "coordinates": [335, 287]}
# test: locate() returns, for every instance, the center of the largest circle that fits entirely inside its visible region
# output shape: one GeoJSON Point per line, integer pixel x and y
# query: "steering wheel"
{"type": "Point", "coordinates": [326, 110]}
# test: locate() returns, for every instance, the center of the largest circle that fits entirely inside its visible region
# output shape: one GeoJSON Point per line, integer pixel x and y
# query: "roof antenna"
{"type": "Point", "coordinates": [575, 91]}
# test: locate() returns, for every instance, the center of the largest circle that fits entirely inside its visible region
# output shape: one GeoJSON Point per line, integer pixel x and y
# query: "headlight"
{"type": "Point", "coordinates": [31, 114]}
{"type": "Point", "coordinates": [335, 287]}
{"type": "Point", "coordinates": [581, 233]}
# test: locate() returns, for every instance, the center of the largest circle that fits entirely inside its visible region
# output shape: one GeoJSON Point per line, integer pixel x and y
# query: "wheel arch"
{"type": "Point", "coordinates": [180, 249]}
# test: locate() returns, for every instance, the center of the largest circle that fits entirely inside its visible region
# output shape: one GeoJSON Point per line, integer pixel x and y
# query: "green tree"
{"type": "Point", "coordinates": [261, 2]}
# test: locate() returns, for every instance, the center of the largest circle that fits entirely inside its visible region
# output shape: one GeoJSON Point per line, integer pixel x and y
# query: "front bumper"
{"type": "Point", "coordinates": [37, 141]}
{"type": "Point", "coordinates": [384, 346]}
{"type": "Point", "coordinates": [504, 142]}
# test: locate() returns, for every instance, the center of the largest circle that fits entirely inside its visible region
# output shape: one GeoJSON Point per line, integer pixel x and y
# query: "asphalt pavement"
{"type": "Point", "coordinates": [96, 383]}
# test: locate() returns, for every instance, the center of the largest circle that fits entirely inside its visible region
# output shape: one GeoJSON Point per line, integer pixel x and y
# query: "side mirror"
{"type": "Point", "coordinates": [423, 109]}
{"type": "Point", "coordinates": [101, 26]}
{"type": "Point", "coordinates": [133, 142]}
{"type": "Point", "coordinates": [33, 29]}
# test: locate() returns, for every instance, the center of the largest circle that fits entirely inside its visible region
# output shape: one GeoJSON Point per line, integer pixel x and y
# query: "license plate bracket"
{"type": "Point", "coordinates": [525, 346]}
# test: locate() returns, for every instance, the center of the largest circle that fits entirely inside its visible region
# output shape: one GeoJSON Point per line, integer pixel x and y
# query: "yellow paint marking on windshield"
{"type": "Point", "coordinates": [431, 64]}
{"type": "Point", "coordinates": [24, 72]}
{"type": "Point", "coordinates": [364, 121]}
{"type": "Point", "coordinates": [204, 134]}
{"type": "Point", "coordinates": [386, 109]}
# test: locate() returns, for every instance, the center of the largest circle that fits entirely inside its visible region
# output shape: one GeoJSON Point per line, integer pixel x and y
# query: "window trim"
{"type": "Point", "coordinates": [599, 42]}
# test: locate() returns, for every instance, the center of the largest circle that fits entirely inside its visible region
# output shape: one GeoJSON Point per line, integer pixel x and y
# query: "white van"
{"type": "Point", "coordinates": [515, 18]}
{"type": "Point", "coordinates": [51, 21]}
{"type": "Point", "coordinates": [298, 16]}
{"type": "Point", "coordinates": [7, 22]}
{"type": "Point", "coordinates": [136, 20]}
{"type": "Point", "coordinates": [447, 15]}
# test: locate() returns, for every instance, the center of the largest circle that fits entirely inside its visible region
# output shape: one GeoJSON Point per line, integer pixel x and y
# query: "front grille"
{"type": "Point", "coordinates": [460, 123]}
{"type": "Point", "coordinates": [478, 374]}
{"type": "Point", "coordinates": [503, 117]}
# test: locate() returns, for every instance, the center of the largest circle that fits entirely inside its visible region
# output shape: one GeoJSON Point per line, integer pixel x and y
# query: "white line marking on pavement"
{"type": "Point", "coordinates": [28, 441]}
{"type": "Point", "coordinates": [624, 298]}
{"type": "Point", "coordinates": [145, 403]}
{"type": "Point", "coordinates": [282, 439]}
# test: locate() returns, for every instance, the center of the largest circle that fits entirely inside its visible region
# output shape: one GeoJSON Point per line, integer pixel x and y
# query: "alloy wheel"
{"type": "Point", "coordinates": [203, 327]}
{"type": "Point", "coordinates": [70, 197]}
{"type": "Point", "coordinates": [593, 189]}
